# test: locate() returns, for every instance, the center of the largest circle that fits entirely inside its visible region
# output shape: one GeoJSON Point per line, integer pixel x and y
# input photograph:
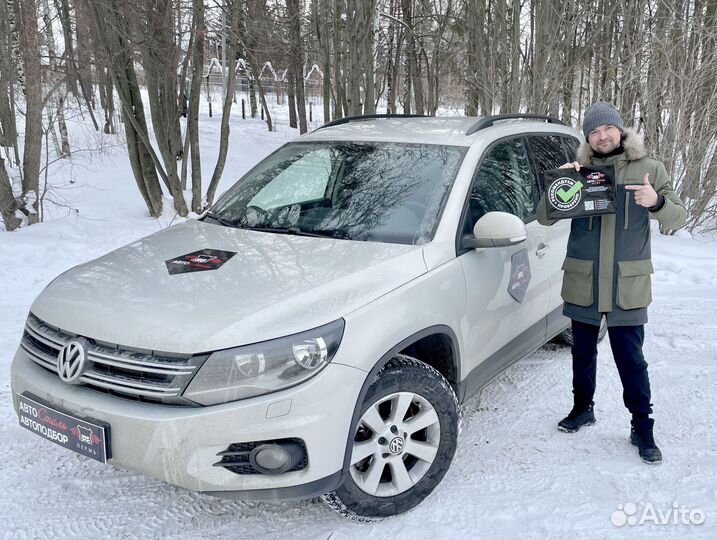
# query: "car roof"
{"type": "Point", "coordinates": [446, 130]}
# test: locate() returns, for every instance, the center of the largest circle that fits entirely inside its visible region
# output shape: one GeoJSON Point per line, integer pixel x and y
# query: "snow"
{"type": "Point", "coordinates": [514, 474]}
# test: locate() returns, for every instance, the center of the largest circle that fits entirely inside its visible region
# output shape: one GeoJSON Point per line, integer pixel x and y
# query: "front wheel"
{"type": "Point", "coordinates": [403, 444]}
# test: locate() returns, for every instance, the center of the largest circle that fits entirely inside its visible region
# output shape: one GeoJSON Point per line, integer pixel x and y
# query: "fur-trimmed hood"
{"type": "Point", "coordinates": [632, 142]}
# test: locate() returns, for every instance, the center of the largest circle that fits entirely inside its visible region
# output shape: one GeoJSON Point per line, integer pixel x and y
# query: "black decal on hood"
{"type": "Point", "coordinates": [199, 261]}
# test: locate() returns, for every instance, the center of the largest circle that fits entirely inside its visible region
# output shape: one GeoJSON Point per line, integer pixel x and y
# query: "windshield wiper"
{"type": "Point", "coordinates": [222, 220]}
{"type": "Point", "coordinates": [294, 231]}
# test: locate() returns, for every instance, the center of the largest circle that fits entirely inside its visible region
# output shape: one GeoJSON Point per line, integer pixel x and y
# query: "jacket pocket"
{"type": "Point", "coordinates": [634, 288]}
{"type": "Point", "coordinates": [577, 282]}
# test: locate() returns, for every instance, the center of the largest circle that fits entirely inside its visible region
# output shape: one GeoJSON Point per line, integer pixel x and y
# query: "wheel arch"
{"type": "Point", "coordinates": [438, 337]}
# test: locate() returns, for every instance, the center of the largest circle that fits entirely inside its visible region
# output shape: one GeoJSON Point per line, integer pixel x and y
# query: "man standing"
{"type": "Point", "coordinates": [607, 271]}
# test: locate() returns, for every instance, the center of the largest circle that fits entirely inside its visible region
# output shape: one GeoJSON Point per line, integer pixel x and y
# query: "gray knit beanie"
{"type": "Point", "coordinates": [600, 114]}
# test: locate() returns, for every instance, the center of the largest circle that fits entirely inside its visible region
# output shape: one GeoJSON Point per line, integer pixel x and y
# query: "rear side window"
{"type": "Point", "coordinates": [503, 183]}
{"type": "Point", "coordinates": [571, 145]}
{"type": "Point", "coordinates": [549, 152]}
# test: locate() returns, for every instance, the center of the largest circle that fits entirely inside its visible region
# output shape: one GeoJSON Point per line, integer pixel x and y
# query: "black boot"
{"type": "Point", "coordinates": [642, 437]}
{"type": "Point", "coordinates": [581, 415]}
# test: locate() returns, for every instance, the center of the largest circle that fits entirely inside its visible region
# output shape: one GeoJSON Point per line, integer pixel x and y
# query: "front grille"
{"type": "Point", "coordinates": [140, 375]}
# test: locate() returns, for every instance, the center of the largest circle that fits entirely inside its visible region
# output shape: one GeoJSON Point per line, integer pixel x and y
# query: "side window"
{"type": "Point", "coordinates": [503, 183]}
{"type": "Point", "coordinates": [571, 144]}
{"type": "Point", "coordinates": [547, 152]}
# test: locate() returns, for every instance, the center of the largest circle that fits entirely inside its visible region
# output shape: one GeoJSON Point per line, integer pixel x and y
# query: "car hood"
{"type": "Point", "coordinates": [273, 285]}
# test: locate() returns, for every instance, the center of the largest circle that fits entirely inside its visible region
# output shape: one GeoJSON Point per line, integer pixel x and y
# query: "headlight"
{"type": "Point", "coordinates": [261, 368]}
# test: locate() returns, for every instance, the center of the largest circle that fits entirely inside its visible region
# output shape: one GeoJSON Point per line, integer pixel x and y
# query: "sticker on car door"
{"type": "Point", "coordinates": [519, 275]}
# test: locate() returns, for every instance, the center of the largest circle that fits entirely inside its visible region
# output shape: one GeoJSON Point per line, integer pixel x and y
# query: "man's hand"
{"type": "Point", "coordinates": [574, 165]}
{"type": "Point", "coordinates": [645, 195]}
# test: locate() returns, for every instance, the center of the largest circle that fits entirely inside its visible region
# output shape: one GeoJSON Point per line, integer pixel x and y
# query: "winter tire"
{"type": "Point", "coordinates": [403, 444]}
{"type": "Point", "coordinates": [566, 336]}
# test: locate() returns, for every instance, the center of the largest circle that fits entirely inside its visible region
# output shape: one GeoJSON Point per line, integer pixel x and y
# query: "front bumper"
{"type": "Point", "coordinates": [180, 444]}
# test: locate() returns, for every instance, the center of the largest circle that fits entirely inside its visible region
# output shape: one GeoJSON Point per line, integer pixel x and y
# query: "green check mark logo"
{"type": "Point", "coordinates": [567, 194]}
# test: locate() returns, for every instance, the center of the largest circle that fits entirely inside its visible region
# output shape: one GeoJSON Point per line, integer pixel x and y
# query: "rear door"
{"type": "Point", "coordinates": [546, 152]}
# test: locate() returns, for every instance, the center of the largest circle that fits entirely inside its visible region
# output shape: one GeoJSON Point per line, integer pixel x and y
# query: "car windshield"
{"type": "Point", "coordinates": [371, 191]}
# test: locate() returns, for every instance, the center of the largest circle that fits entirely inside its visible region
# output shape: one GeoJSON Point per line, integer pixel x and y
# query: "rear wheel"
{"type": "Point", "coordinates": [566, 336]}
{"type": "Point", "coordinates": [403, 444]}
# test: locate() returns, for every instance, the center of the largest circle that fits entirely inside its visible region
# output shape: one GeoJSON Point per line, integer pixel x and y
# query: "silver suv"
{"type": "Point", "coordinates": [315, 331]}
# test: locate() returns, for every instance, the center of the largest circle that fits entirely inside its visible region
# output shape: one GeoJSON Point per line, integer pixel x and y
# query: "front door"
{"type": "Point", "coordinates": [505, 315]}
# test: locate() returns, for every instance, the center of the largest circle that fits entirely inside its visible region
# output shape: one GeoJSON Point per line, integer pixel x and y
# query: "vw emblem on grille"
{"type": "Point", "coordinates": [396, 445]}
{"type": "Point", "coordinates": [71, 361]}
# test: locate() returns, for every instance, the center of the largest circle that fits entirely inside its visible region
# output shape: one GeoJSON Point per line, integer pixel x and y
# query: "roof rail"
{"type": "Point", "coordinates": [488, 121]}
{"type": "Point", "coordinates": [359, 118]}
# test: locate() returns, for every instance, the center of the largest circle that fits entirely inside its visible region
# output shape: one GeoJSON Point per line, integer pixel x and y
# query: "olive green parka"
{"type": "Point", "coordinates": [608, 264]}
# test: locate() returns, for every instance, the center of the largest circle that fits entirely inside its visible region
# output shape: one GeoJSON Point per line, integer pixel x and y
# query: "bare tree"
{"type": "Point", "coordinates": [22, 19]}
{"type": "Point", "coordinates": [233, 41]}
{"type": "Point", "coordinates": [160, 58]}
{"type": "Point", "coordinates": [198, 24]}
{"type": "Point", "coordinates": [296, 60]}
{"type": "Point", "coordinates": [57, 84]}
{"type": "Point", "coordinates": [112, 29]}
{"type": "Point", "coordinates": [8, 203]}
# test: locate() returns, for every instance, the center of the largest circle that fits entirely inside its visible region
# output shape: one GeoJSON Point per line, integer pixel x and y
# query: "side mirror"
{"type": "Point", "coordinates": [496, 229]}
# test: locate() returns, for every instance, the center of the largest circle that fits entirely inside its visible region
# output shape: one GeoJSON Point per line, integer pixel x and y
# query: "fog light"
{"type": "Point", "coordinates": [276, 458]}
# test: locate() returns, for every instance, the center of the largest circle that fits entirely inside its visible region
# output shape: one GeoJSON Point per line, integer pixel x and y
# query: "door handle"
{"type": "Point", "coordinates": [542, 248]}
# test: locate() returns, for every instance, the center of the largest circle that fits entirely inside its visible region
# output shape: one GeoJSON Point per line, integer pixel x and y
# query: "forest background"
{"type": "Point", "coordinates": [139, 68]}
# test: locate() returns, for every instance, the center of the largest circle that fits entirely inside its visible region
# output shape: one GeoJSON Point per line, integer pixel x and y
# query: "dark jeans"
{"type": "Point", "coordinates": [626, 343]}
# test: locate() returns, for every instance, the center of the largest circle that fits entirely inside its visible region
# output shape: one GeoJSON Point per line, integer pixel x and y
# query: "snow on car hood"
{"type": "Point", "coordinates": [274, 285]}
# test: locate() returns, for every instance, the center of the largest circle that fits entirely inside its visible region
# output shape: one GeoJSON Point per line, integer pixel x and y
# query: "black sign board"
{"type": "Point", "coordinates": [87, 438]}
{"type": "Point", "coordinates": [199, 261]}
{"type": "Point", "coordinates": [584, 193]}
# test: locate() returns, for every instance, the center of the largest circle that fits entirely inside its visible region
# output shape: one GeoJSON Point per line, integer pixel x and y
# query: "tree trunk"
{"type": "Point", "coordinates": [112, 35]}
{"type": "Point", "coordinates": [8, 202]}
{"type": "Point", "coordinates": [392, 66]}
{"type": "Point", "coordinates": [355, 26]}
{"type": "Point", "coordinates": [412, 57]}
{"type": "Point", "coordinates": [291, 97]}
{"type": "Point", "coordinates": [514, 84]}
{"type": "Point", "coordinates": [252, 97]}
{"type": "Point", "coordinates": [262, 99]}
{"type": "Point", "coordinates": [160, 60]}
{"type": "Point", "coordinates": [193, 116]}
{"type": "Point", "coordinates": [340, 103]}
{"type": "Point", "coordinates": [57, 87]}
{"type": "Point", "coordinates": [320, 16]}
{"type": "Point", "coordinates": [296, 62]}
{"type": "Point", "coordinates": [63, 12]}
{"type": "Point", "coordinates": [26, 20]}
{"type": "Point", "coordinates": [369, 69]}
{"type": "Point", "coordinates": [228, 100]}
{"type": "Point", "coordinates": [87, 41]}
{"type": "Point", "coordinates": [8, 126]}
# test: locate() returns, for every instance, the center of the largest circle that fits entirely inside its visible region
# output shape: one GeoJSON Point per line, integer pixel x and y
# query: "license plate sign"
{"type": "Point", "coordinates": [90, 439]}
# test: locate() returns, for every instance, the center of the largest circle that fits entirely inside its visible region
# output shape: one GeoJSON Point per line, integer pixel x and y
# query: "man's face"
{"type": "Point", "coordinates": [604, 139]}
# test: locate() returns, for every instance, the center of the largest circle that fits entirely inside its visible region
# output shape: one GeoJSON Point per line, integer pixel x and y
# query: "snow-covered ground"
{"type": "Point", "coordinates": [514, 474]}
